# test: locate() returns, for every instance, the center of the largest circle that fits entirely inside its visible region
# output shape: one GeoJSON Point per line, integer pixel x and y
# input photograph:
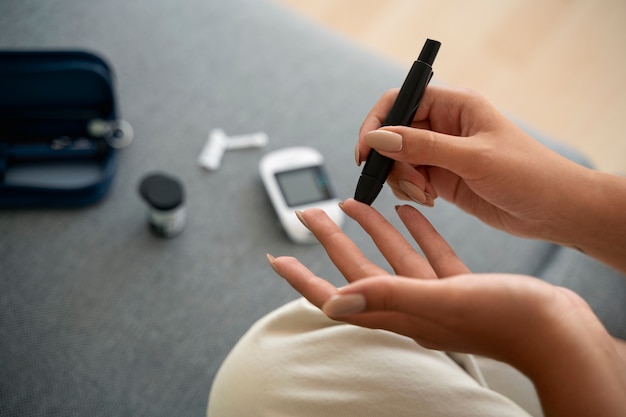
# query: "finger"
{"type": "Point", "coordinates": [420, 298]}
{"type": "Point", "coordinates": [374, 119]}
{"type": "Point", "coordinates": [448, 185]}
{"type": "Point", "coordinates": [399, 253]}
{"type": "Point", "coordinates": [427, 311]}
{"type": "Point", "coordinates": [454, 189]}
{"type": "Point", "coordinates": [440, 109]}
{"type": "Point", "coordinates": [466, 313]}
{"type": "Point", "coordinates": [410, 183]}
{"type": "Point", "coordinates": [312, 287]}
{"type": "Point", "coordinates": [323, 295]}
{"type": "Point", "coordinates": [425, 332]}
{"type": "Point", "coordinates": [440, 255]}
{"type": "Point", "coordinates": [377, 115]}
{"type": "Point", "coordinates": [426, 147]}
{"type": "Point", "coordinates": [425, 173]}
{"type": "Point", "coordinates": [453, 111]}
{"type": "Point", "coordinates": [342, 251]}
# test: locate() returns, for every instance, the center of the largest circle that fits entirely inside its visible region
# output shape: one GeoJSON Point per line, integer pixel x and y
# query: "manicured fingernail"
{"type": "Point", "coordinates": [416, 194]}
{"type": "Point", "coordinates": [357, 155]}
{"type": "Point", "coordinates": [343, 305]}
{"type": "Point", "coordinates": [384, 140]}
{"type": "Point", "coordinates": [301, 218]}
{"type": "Point", "coordinates": [271, 260]}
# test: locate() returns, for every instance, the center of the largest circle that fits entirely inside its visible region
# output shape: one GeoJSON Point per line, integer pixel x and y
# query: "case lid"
{"type": "Point", "coordinates": [48, 94]}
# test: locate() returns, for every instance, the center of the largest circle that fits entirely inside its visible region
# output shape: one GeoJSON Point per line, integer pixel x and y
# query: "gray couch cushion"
{"type": "Point", "coordinates": [99, 317]}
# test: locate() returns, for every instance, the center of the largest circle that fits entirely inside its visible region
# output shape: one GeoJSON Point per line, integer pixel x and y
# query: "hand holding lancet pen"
{"type": "Point", "coordinates": [377, 167]}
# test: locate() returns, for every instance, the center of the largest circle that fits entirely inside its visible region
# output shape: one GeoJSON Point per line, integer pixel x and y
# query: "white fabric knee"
{"type": "Point", "coordinates": [297, 362]}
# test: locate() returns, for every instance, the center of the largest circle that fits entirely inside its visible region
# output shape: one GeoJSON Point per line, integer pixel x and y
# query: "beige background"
{"type": "Point", "coordinates": [559, 65]}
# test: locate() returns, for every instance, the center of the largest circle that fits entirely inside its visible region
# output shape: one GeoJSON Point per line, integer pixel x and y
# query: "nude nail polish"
{"type": "Point", "coordinates": [271, 260]}
{"type": "Point", "coordinates": [343, 305]}
{"type": "Point", "coordinates": [357, 155]}
{"type": "Point", "coordinates": [416, 194]}
{"type": "Point", "coordinates": [301, 218]}
{"type": "Point", "coordinates": [384, 140]}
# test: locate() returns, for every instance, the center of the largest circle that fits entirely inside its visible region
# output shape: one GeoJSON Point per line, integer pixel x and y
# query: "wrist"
{"type": "Point", "coordinates": [574, 364]}
{"type": "Point", "coordinates": [589, 216]}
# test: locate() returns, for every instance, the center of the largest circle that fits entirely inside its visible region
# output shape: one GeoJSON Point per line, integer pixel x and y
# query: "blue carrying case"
{"type": "Point", "coordinates": [59, 129]}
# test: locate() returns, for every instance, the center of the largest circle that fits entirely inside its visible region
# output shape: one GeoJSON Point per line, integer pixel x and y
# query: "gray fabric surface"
{"type": "Point", "coordinates": [100, 318]}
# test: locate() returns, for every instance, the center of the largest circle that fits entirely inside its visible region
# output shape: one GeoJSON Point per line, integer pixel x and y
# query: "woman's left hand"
{"type": "Point", "coordinates": [434, 299]}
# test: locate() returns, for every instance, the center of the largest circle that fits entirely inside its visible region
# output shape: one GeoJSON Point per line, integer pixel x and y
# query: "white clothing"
{"type": "Point", "coordinates": [297, 362]}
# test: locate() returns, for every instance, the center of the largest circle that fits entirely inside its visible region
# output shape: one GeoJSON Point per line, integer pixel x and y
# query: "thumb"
{"type": "Point", "coordinates": [419, 309]}
{"type": "Point", "coordinates": [425, 147]}
{"type": "Point", "coordinates": [386, 294]}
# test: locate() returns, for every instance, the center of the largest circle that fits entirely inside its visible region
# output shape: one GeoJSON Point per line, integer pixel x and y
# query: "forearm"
{"type": "Point", "coordinates": [593, 217]}
{"type": "Point", "coordinates": [583, 389]}
{"type": "Point", "coordinates": [583, 375]}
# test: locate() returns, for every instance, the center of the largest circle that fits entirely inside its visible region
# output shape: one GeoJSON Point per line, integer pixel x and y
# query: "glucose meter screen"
{"type": "Point", "coordinates": [304, 186]}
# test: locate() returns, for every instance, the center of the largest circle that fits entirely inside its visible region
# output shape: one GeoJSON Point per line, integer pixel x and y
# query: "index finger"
{"type": "Point", "coordinates": [397, 251]}
{"type": "Point", "coordinates": [378, 113]}
{"type": "Point", "coordinates": [343, 252]}
{"type": "Point", "coordinates": [374, 120]}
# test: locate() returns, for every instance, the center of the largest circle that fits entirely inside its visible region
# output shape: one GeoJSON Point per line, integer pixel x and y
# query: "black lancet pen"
{"type": "Point", "coordinates": [377, 167]}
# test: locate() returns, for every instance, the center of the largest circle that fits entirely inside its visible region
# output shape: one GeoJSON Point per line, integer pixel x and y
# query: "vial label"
{"type": "Point", "coordinates": [167, 223]}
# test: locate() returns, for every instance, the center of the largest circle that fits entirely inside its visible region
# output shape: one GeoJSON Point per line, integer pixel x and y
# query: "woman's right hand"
{"type": "Point", "coordinates": [460, 147]}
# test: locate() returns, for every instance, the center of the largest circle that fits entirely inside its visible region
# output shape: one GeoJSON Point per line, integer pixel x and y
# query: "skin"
{"type": "Point", "coordinates": [462, 149]}
{"type": "Point", "coordinates": [547, 332]}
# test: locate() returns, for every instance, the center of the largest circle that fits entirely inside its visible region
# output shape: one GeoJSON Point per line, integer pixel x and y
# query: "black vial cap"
{"type": "Point", "coordinates": [161, 192]}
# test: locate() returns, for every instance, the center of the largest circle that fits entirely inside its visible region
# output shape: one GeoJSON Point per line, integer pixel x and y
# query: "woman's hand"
{"type": "Point", "coordinates": [528, 323]}
{"type": "Point", "coordinates": [463, 149]}
{"type": "Point", "coordinates": [485, 314]}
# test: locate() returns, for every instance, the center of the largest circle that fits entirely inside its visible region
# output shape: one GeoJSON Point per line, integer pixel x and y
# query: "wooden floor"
{"type": "Point", "coordinates": [560, 65]}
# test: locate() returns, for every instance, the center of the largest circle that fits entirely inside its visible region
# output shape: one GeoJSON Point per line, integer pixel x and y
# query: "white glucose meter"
{"type": "Point", "coordinates": [295, 179]}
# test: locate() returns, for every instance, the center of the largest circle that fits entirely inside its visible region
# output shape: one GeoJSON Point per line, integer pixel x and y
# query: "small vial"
{"type": "Point", "coordinates": [165, 198]}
